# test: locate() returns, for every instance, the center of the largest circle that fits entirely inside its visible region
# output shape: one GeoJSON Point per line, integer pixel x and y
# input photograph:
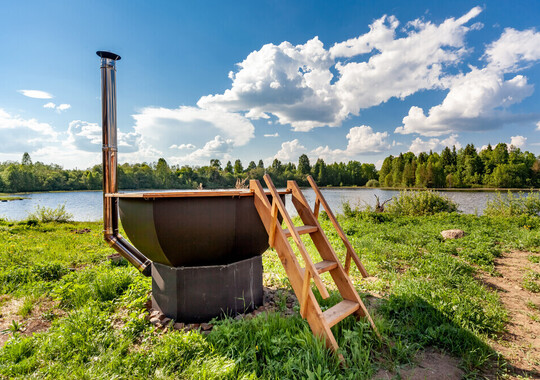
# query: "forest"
{"type": "Point", "coordinates": [498, 167]}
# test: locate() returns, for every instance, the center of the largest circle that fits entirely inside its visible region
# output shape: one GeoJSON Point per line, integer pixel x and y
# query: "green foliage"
{"type": "Point", "coordinates": [415, 203]}
{"type": "Point", "coordinates": [372, 183]}
{"type": "Point", "coordinates": [47, 214]}
{"type": "Point", "coordinates": [531, 281]}
{"type": "Point", "coordinates": [513, 205]}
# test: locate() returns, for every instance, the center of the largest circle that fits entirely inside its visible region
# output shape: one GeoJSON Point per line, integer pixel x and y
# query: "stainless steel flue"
{"type": "Point", "coordinates": [110, 161]}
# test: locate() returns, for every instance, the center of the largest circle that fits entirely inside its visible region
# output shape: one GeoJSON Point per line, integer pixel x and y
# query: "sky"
{"type": "Point", "coordinates": [250, 80]}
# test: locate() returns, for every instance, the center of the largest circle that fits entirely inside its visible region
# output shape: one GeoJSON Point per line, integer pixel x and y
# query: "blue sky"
{"type": "Point", "coordinates": [340, 80]}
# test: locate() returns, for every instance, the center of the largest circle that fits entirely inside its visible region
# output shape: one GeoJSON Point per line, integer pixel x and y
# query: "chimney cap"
{"type": "Point", "coordinates": [109, 55]}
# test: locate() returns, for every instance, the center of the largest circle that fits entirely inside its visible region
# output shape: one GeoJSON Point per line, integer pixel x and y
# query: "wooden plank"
{"type": "Point", "coordinates": [325, 266]}
{"type": "Point", "coordinates": [301, 230]}
{"type": "Point", "coordinates": [316, 208]}
{"type": "Point", "coordinates": [340, 311]}
{"type": "Point", "coordinates": [296, 237]}
{"type": "Point", "coordinates": [272, 233]}
{"type": "Point", "coordinates": [304, 298]}
{"type": "Point", "coordinates": [187, 194]}
{"type": "Point", "coordinates": [338, 228]}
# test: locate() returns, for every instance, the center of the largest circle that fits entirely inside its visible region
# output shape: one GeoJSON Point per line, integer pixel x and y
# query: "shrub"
{"type": "Point", "coordinates": [416, 203]}
{"type": "Point", "coordinates": [513, 205]}
{"type": "Point", "coordinates": [372, 183]}
{"type": "Point", "coordinates": [47, 214]}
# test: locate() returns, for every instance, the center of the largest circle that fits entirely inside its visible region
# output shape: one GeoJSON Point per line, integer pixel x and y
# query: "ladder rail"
{"type": "Point", "coordinates": [296, 237]}
{"type": "Point", "coordinates": [348, 246]}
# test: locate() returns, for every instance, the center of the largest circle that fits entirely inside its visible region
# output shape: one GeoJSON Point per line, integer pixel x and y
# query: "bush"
{"type": "Point", "coordinates": [372, 183]}
{"type": "Point", "coordinates": [416, 203]}
{"type": "Point", "coordinates": [47, 214]}
{"type": "Point", "coordinates": [513, 205]}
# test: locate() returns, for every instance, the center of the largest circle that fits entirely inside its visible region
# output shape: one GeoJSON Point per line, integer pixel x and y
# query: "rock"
{"type": "Point", "coordinates": [206, 326]}
{"type": "Point", "coordinates": [239, 317]}
{"type": "Point", "coordinates": [154, 313]}
{"type": "Point", "coordinates": [178, 326]}
{"type": "Point", "coordinates": [155, 321]}
{"type": "Point", "coordinates": [261, 309]}
{"type": "Point", "coordinates": [166, 321]}
{"type": "Point", "coordinates": [453, 234]}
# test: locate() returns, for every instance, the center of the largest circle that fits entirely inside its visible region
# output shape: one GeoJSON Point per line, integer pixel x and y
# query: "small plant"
{"type": "Point", "coordinates": [417, 203]}
{"type": "Point", "coordinates": [27, 307]}
{"type": "Point", "coordinates": [513, 205]}
{"type": "Point", "coordinates": [531, 281]}
{"type": "Point", "coordinates": [533, 259]}
{"type": "Point", "coordinates": [47, 214]}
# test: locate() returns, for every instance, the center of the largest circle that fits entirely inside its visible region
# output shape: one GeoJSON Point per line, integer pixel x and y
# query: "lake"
{"type": "Point", "coordinates": [87, 205]}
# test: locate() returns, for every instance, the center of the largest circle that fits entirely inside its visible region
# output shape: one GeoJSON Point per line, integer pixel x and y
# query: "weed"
{"type": "Point", "coordinates": [47, 214]}
{"type": "Point", "coordinates": [531, 281]}
{"type": "Point", "coordinates": [414, 203]}
{"type": "Point", "coordinates": [535, 259]}
{"type": "Point", "coordinates": [513, 205]}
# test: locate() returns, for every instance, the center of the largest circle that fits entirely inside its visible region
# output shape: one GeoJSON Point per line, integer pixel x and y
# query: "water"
{"type": "Point", "coordinates": [87, 205]}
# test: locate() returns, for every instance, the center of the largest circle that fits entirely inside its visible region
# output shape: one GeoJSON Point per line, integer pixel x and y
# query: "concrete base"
{"type": "Point", "coordinates": [198, 294]}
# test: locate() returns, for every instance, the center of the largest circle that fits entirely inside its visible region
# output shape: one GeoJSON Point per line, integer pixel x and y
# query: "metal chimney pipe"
{"type": "Point", "coordinates": [110, 161]}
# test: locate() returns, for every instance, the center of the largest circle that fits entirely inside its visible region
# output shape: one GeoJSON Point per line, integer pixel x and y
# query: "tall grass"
{"type": "Point", "coordinates": [513, 205]}
{"type": "Point", "coordinates": [48, 214]}
{"type": "Point", "coordinates": [416, 203]}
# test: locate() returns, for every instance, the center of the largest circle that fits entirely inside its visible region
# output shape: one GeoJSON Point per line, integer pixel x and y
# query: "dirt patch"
{"type": "Point", "coordinates": [431, 364]}
{"type": "Point", "coordinates": [33, 322]}
{"type": "Point", "coordinates": [520, 345]}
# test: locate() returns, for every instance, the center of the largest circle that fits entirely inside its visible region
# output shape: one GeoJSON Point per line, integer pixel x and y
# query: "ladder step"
{"type": "Point", "coordinates": [325, 266]}
{"type": "Point", "coordinates": [301, 230]}
{"type": "Point", "coordinates": [340, 311]}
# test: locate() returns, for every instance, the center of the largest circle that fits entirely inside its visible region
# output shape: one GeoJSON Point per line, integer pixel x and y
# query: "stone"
{"type": "Point", "coordinates": [453, 234]}
{"type": "Point", "coordinates": [155, 321]}
{"type": "Point", "coordinates": [206, 326]}
{"type": "Point", "coordinates": [178, 326]}
{"type": "Point", "coordinates": [166, 321]}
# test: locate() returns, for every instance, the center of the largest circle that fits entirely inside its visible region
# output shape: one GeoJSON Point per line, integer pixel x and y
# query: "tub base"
{"type": "Point", "coordinates": [198, 294]}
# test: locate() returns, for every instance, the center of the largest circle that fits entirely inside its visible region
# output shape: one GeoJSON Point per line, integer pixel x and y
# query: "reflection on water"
{"type": "Point", "coordinates": [87, 205]}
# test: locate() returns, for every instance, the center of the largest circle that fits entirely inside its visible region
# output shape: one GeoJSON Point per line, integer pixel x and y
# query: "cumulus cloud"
{"type": "Point", "coordinates": [296, 84]}
{"type": "Point", "coordinates": [21, 135]}
{"type": "Point", "coordinates": [87, 137]}
{"type": "Point", "coordinates": [216, 148]}
{"type": "Point", "coordinates": [36, 94]}
{"type": "Point", "coordinates": [479, 99]}
{"type": "Point", "coordinates": [360, 140]}
{"type": "Point", "coordinates": [518, 141]}
{"type": "Point", "coordinates": [59, 108]}
{"type": "Point", "coordinates": [272, 135]}
{"type": "Point", "coordinates": [418, 145]}
{"type": "Point", "coordinates": [290, 151]}
{"type": "Point", "coordinates": [159, 128]}
{"type": "Point", "coordinates": [538, 126]}
{"type": "Point", "coordinates": [183, 146]}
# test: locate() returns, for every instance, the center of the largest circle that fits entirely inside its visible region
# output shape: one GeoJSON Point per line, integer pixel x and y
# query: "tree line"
{"type": "Point", "coordinates": [501, 167]}
{"type": "Point", "coordinates": [27, 176]}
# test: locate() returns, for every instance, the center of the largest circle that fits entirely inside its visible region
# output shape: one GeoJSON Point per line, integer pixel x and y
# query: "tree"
{"type": "Point", "coordinates": [238, 168]}
{"type": "Point", "coordinates": [303, 165]}
{"type": "Point", "coordinates": [260, 164]}
{"type": "Point", "coordinates": [215, 163]}
{"type": "Point", "coordinates": [26, 160]}
{"type": "Point", "coordinates": [251, 165]}
{"type": "Point", "coordinates": [229, 168]}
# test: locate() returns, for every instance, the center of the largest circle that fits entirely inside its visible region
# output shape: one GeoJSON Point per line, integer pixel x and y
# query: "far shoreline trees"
{"type": "Point", "coordinates": [499, 167]}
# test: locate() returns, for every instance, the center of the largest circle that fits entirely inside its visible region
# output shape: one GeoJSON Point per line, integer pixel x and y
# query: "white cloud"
{"type": "Point", "coordinates": [217, 148]}
{"type": "Point", "coordinates": [360, 140]}
{"type": "Point", "coordinates": [290, 151]}
{"type": "Point", "coordinates": [272, 135]}
{"type": "Point", "coordinates": [479, 99]}
{"type": "Point", "coordinates": [23, 135]}
{"type": "Point", "coordinates": [418, 145]}
{"type": "Point", "coordinates": [36, 94]}
{"type": "Point", "coordinates": [518, 141]}
{"type": "Point", "coordinates": [297, 86]}
{"type": "Point", "coordinates": [183, 146]}
{"type": "Point", "coordinates": [87, 137]}
{"type": "Point", "coordinates": [159, 128]}
{"type": "Point", "coordinates": [59, 108]}
{"type": "Point", "coordinates": [538, 126]}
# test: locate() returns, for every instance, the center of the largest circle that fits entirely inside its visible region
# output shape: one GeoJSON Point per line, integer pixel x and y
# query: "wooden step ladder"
{"type": "Point", "coordinates": [300, 278]}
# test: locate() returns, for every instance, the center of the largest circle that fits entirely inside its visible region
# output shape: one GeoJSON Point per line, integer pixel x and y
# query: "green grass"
{"type": "Point", "coordinates": [7, 198]}
{"type": "Point", "coordinates": [430, 298]}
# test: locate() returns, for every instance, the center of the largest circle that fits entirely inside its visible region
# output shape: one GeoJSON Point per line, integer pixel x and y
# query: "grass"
{"type": "Point", "coordinates": [7, 198]}
{"type": "Point", "coordinates": [429, 298]}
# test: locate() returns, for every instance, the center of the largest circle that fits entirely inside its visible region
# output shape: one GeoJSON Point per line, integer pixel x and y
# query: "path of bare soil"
{"type": "Point", "coordinates": [520, 345]}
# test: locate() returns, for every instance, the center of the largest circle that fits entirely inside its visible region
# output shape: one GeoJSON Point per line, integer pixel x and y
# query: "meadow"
{"type": "Point", "coordinates": [69, 312]}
